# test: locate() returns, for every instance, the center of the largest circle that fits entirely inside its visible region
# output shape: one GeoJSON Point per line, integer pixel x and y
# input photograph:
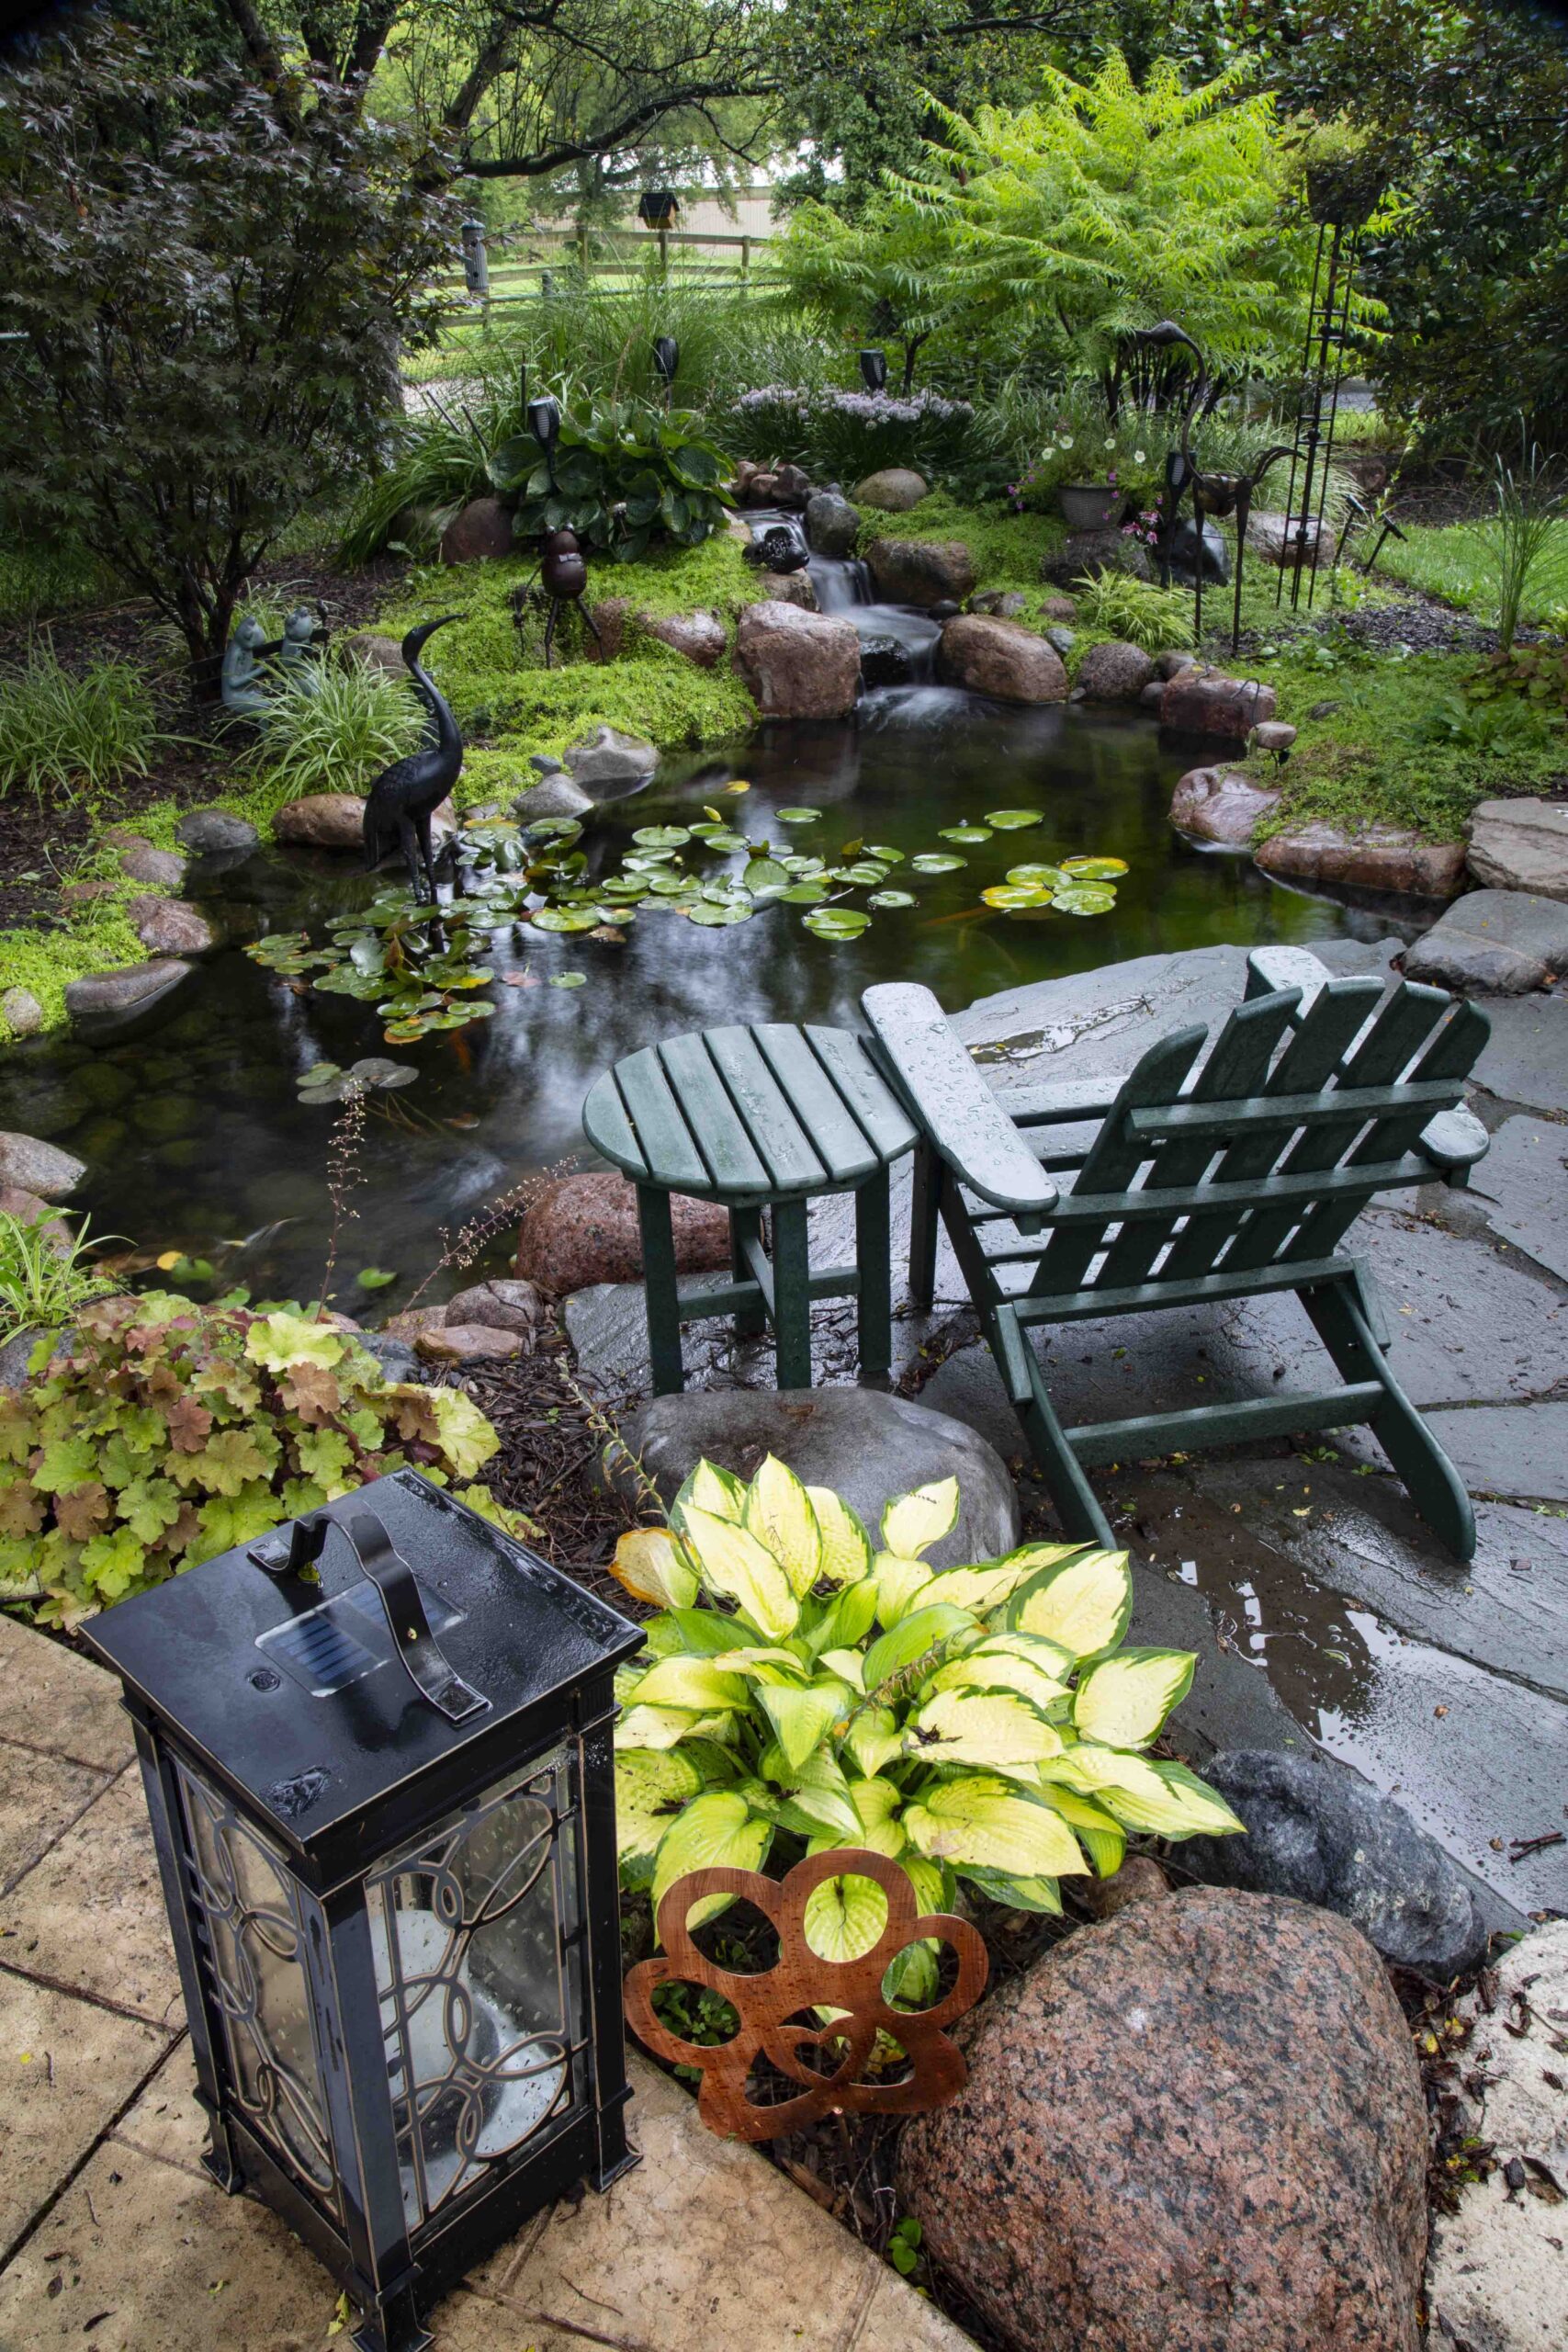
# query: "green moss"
{"type": "Point", "coordinates": [95, 938]}
{"type": "Point", "coordinates": [1008, 548]}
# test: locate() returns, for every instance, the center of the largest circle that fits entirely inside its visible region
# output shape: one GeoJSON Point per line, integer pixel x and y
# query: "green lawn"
{"type": "Point", "coordinates": [1459, 563]}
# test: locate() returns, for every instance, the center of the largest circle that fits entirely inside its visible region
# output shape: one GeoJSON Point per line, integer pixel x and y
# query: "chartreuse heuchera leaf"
{"type": "Point", "coordinates": [801, 1692]}
{"type": "Point", "coordinates": [164, 1433]}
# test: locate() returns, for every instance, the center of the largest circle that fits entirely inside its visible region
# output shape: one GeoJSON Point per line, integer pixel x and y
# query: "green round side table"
{"type": "Point", "coordinates": [763, 1118]}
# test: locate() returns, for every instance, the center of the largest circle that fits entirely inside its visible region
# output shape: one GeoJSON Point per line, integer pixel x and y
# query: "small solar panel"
{"type": "Point", "coordinates": [344, 1639]}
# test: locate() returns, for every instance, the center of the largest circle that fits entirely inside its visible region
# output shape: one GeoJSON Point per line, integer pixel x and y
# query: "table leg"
{"type": "Point", "coordinates": [659, 1290]}
{"type": "Point", "coordinates": [873, 1252]}
{"type": "Point", "coordinates": [792, 1294]}
{"type": "Point", "coordinates": [745, 1225]}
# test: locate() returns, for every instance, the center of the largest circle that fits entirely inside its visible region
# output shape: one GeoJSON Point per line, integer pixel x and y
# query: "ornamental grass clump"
{"type": "Point", "coordinates": [981, 1723]}
{"type": "Point", "coordinates": [66, 733]}
{"type": "Point", "coordinates": [336, 728]}
{"type": "Point", "coordinates": [164, 1433]}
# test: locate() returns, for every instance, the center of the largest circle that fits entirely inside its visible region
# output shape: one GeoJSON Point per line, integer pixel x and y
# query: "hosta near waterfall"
{"type": "Point", "coordinates": [981, 1723]}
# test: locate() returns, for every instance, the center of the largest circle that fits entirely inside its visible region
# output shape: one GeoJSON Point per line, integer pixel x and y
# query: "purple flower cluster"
{"type": "Point", "coordinates": [862, 408]}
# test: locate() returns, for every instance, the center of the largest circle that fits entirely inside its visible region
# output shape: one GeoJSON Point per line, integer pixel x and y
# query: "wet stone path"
{"type": "Point", "coordinates": [1323, 1609]}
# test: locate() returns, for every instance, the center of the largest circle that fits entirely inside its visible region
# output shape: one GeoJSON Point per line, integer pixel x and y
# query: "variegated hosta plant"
{"type": "Point", "coordinates": [979, 1723]}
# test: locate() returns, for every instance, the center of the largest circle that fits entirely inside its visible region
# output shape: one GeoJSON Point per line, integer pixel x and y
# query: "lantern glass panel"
{"type": "Point", "coordinates": [249, 1906]}
{"type": "Point", "coordinates": [477, 1942]}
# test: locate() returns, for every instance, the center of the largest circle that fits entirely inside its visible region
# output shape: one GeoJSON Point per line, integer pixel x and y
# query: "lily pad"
{"type": "Point", "coordinates": [568, 980]}
{"type": "Point", "coordinates": [671, 885]}
{"type": "Point", "coordinates": [936, 861]}
{"type": "Point", "coordinates": [864, 874]}
{"type": "Point", "coordinates": [970, 836]}
{"type": "Point", "coordinates": [1012, 820]}
{"type": "Point", "coordinates": [881, 850]}
{"type": "Point", "coordinates": [1035, 877]}
{"type": "Point", "coordinates": [837, 922]}
{"type": "Point", "coordinates": [805, 894]}
{"type": "Point", "coordinates": [881, 898]}
{"type": "Point", "coordinates": [765, 877]}
{"type": "Point", "coordinates": [1094, 869]}
{"type": "Point", "coordinates": [661, 836]}
{"type": "Point", "coordinates": [1086, 898]}
{"type": "Point", "coordinates": [375, 1070]}
{"type": "Point", "coordinates": [709, 913]}
{"type": "Point", "coordinates": [797, 815]}
{"type": "Point", "coordinates": [566, 918]}
{"type": "Point", "coordinates": [374, 1278]}
{"type": "Point", "coordinates": [1012, 897]}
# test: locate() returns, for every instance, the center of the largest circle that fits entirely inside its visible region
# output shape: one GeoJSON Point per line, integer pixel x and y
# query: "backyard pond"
{"type": "Point", "coordinates": [194, 1131]}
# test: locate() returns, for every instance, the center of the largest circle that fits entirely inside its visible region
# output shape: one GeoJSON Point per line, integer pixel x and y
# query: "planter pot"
{"type": "Point", "coordinates": [1089, 506]}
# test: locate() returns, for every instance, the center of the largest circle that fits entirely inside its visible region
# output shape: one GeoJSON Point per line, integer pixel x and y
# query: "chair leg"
{"type": "Point", "coordinates": [1078, 1505]}
{"type": "Point", "coordinates": [659, 1291]}
{"type": "Point", "coordinates": [792, 1294]}
{"type": "Point", "coordinates": [745, 1225]}
{"type": "Point", "coordinates": [873, 1264]}
{"type": "Point", "coordinates": [1434, 1485]}
{"type": "Point", "coordinates": [925, 1209]}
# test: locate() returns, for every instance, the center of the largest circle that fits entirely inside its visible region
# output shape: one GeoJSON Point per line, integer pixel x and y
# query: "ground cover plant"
{"type": "Point", "coordinates": [46, 1272]}
{"type": "Point", "coordinates": [980, 1723]}
{"type": "Point", "coordinates": [162, 1433]}
{"type": "Point", "coordinates": [66, 733]}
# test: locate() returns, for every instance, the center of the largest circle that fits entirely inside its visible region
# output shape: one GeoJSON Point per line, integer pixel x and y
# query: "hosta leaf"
{"type": "Point", "coordinates": [846, 1547]}
{"type": "Point", "coordinates": [847, 1620]}
{"type": "Point", "coordinates": [700, 1683]}
{"type": "Point", "coordinates": [652, 1567]}
{"type": "Point", "coordinates": [844, 1918]}
{"type": "Point", "coordinates": [986, 1669]}
{"type": "Point", "coordinates": [872, 1738]}
{"type": "Point", "coordinates": [651, 1786]}
{"type": "Point", "coordinates": [1018, 1893]}
{"type": "Point", "coordinates": [802, 1718]}
{"type": "Point", "coordinates": [713, 1490]}
{"type": "Point", "coordinates": [1083, 1603]}
{"type": "Point", "coordinates": [1102, 1837]}
{"type": "Point", "coordinates": [706, 1632]}
{"type": "Point", "coordinates": [716, 1830]}
{"type": "Point", "coordinates": [986, 1822]}
{"type": "Point", "coordinates": [848, 1665]}
{"type": "Point", "coordinates": [778, 1512]}
{"type": "Point", "coordinates": [1144, 1792]}
{"type": "Point", "coordinates": [981, 1588]}
{"type": "Point", "coordinates": [1123, 1702]}
{"type": "Point", "coordinates": [897, 1584]}
{"type": "Point", "coordinates": [913, 1522]}
{"type": "Point", "coordinates": [732, 1563]}
{"type": "Point", "coordinates": [654, 1726]}
{"type": "Point", "coordinates": [985, 1728]}
{"type": "Point", "coordinates": [817, 1793]}
{"type": "Point", "coordinates": [913, 1638]}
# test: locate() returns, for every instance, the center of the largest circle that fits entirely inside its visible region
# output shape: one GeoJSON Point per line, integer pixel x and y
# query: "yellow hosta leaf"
{"type": "Point", "coordinates": [699, 1683]}
{"type": "Point", "coordinates": [716, 1830]}
{"type": "Point", "coordinates": [988, 1669]}
{"type": "Point", "coordinates": [915, 1522]}
{"type": "Point", "coordinates": [844, 1916]}
{"type": "Point", "coordinates": [872, 1738]}
{"type": "Point", "coordinates": [987, 1728]}
{"type": "Point", "coordinates": [651, 1789]}
{"type": "Point", "coordinates": [801, 1719]}
{"type": "Point", "coordinates": [651, 1565]}
{"type": "Point", "coordinates": [1123, 1702]}
{"type": "Point", "coordinates": [655, 1726]}
{"type": "Point", "coordinates": [1146, 1793]}
{"type": "Point", "coordinates": [731, 1562]}
{"type": "Point", "coordinates": [779, 1514]}
{"type": "Point", "coordinates": [713, 1488]}
{"type": "Point", "coordinates": [848, 1665]}
{"type": "Point", "coordinates": [846, 1546]}
{"type": "Point", "coordinates": [1083, 1604]}
{"type": "Point", "coordinates": [898, 1583]}
{"type": "Point", "coordinates": [979, 1588]}
{"type": "Point", "coordinates": [985, 1821]}
{"type": "Point", "coordinates": [1099, 1833]}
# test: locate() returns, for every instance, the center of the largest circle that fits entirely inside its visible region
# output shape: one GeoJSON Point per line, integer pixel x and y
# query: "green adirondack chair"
{"type": "Point", "coordinates": [1206, 1178]}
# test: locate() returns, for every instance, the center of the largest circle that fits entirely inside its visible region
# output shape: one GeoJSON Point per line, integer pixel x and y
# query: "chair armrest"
{"type": "Point", "coordinates": [950, 1103]}
{"type": "Point", "coordinates": [1453, 1142]}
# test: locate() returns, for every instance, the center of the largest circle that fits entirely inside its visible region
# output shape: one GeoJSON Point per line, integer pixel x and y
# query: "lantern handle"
{"type": "Point", "coordinates": [303, 1542]}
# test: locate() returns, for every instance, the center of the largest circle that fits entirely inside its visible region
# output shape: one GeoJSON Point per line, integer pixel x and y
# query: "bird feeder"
{"type": "Point", "coordinates": [377, 1753]}
{"type": "Point", "coordinates": [874, 370]}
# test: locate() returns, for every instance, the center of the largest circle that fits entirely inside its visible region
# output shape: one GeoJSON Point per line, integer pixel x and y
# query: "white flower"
{"type": "Point", "coordinates": [1066, 441]}
{"type": "Point", "coordinates": [1111, 440]}
{"type": "Point", "coordinates": [1138, 458]}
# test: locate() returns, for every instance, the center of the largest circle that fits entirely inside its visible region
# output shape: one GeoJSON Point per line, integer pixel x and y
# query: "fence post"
{"type": "Point", "coordinates": [745, 258]}
{"type": "Point", "coordinates": [476, 262]}
{"type": "Point", "coordinates": [585, 260]}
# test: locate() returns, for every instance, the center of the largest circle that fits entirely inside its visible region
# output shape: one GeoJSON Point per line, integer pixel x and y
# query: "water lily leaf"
{"type": "Point", "coordinates": [797, 815]}
{"type": "Point", "coordinates": [936, 861]}
{"type": "Point", "coordinates": [836, 923]}
{"type": "Point", "coordinates": [881, 898]}
{"type": "Point", "coordinates": [765, 877]}
{"type": "Point", "coordinates": [711, 914]}
{"type": "Point", "coordinates": [1094, 869]}
{"type": "Point", "coordinates": [970, 836]}
{"type": "Point", "coordinates": [881, 850]}
{"type": "Point", "coordinates": [1012, 820]}
{"type": "Point", "coordinates": [565, 918]}
{"type": "Point", "coordinates": [1035, 877]}
{"type": "Point", "coordinates": [863, 872]}
{"type": "Point", "coordinates": [568, 980]}
{"type": "Point", "coordinates": [661, 836]}
{"type": "Point", "coordinates": [1091, 898]}
{"type": "Point", "coordinates": [624, 888]}
{"type": "Point", "coordinates": [672, 885]}
{"type": "Point", "coordinates": [1010, 895]}
{"type": "Point", "coordinates": [320, 1072]}
{"type": "Point", "coordinates": [805, 894]}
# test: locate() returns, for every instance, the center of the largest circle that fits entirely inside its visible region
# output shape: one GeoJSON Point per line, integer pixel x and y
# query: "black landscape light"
{"type": "Point", "coordinates": [376, 1752]}
{"type": "Point", "coordinates": [544, 424]}
{"type": "Point", "coordinates": [665, 359]}
{"type": "Point", "coordinates": [874, 370]}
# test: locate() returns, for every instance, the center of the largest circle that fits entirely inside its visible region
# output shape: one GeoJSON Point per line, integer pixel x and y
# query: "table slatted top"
{"type": "Point", "coordinates": [740, 1115]}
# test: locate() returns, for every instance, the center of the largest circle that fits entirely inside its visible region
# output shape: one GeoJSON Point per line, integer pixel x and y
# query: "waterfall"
{"type": "Point", "coordinates": [899, 642]}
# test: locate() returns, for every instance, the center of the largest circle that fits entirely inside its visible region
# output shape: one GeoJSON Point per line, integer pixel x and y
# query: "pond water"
{"type": "Point", "coordinates": [193, 1132]}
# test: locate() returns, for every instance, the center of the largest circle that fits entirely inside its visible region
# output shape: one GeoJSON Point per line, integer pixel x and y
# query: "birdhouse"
{"type": "Point", "coordinates": [659, 207]}
{"type": "Point", "coordinates": [377, 1753]}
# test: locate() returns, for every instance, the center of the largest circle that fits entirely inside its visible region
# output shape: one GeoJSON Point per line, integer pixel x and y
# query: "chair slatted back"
{"type": "Point", "coordinates": [1241, 1148]}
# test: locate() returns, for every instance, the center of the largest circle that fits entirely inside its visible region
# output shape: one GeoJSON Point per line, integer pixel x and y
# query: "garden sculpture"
{"type": "Point", "coordinates": [403, 798]}
{"type": "Point", "coordinates": [243, 690]}
{"type": "Point", "coordinates": [296, 649]}
{"type": "Point", "coordinates": [1216, 494]}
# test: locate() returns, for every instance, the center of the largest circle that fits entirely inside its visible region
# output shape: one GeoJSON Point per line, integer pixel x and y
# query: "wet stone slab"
{"type": "Point", "coordinates": [39, 1796]}
{"type": "Point", "coordinates": [1523, 1180]}
{"type": "Point", "coordinates": [60, 1702]}
{"type": "Point", "coordinates": [66, 2068]}
{"type": "Point", "coordinates": [1526, 1060]}
{"type": "Point", "coordinates": [90, 1915]}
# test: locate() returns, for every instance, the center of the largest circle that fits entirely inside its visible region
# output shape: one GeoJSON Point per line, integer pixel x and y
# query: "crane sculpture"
{"type": "Point", "coordinates": [403, 798]}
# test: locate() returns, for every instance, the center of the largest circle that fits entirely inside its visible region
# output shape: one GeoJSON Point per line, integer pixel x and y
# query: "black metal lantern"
{"type": "Point", "coordinates": [544, 424]}
{"type": "Point", "coordinates": [376, 1752]}
{"type": "Point", "coordinates": [874, 370]}
{"type": "Point", "coordinates": [665, 359]}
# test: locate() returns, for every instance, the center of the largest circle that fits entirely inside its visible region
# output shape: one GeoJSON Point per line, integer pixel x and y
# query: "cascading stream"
{"type": "Point", "coordinates": [899, 642]}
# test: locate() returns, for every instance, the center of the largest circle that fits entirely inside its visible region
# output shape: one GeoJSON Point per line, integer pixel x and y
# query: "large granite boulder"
{"type": "Point", "coordinates": [553, 795]}
{"type": "Point", "coordinates": [1198, 2126]}
{"type": "Point", "coordinates": [212, 832]}
{"type": "Point", "coordinates": [1377, 857]}
{"type": "Point", "coordinates": [480, 533]}
{"type": "Point", "coordinates": [788, 588]}
{"type": "Point", "coordinates": [161, 869]}
{"type": "Point", "coordinates": [1212, 805]}
{"type": "Point", "coordinates": [1084, 555]}
{"type": "Point", "coordinates": [30, 1165]}
{"type": "Point", "coordinates": [920, 571]}
{"type": "Point", "coordinates": [103, 1004]}
{"type": "Point", "coordinates": [374, 650]}
{"type": "Point", "coordinates": [1499, 2279]}
{"type": "Point", "coordinates": [1274, 537]}
{"type": "Point", "coordinates": [21, 1012]}
{"type": "Point", "coordinates": [321, 821]}
{"type": "Point", "coordinates": [1001, 659]}
{"type": "Point", "coordinates": [1114, 672]}
{"type": "Point", "coordinates": [583, 1229]}
{"type": "Point", "coordinates": [1318, 1831]}
{"type": "Point", "coordinates": [1520, 845]}
{"type": "Point", "coordinates": [832, 525]}
{"type": "Point", "coordinates": [172, 927]}
{"type": "Point", "coordinates": [797, 664]}
{"type": "Point", "coordinates": [608, 763]}
{"type": "Point", "coordinates": [1507, 940]}
{"type": "Point", "coordinates": [1003, 603]}
{"type": "Point", "coordinates": [867, 1446]}
{"type": "Point", "coordinates": [1206, 702]}
{"type": "Point", "coordinates": [894, 490]}
{"type": "Point", "coordinates": [699, 636]}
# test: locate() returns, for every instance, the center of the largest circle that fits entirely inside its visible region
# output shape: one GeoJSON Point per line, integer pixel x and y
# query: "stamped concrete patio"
{"type": "Point", "coordinates": [112, 2234]}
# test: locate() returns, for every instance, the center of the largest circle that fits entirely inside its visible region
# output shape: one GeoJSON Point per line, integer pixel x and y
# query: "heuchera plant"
{"type": "Point", "coordinates": [167, 1432]}
{"type": "Point", "coordinates": [982, 1723]}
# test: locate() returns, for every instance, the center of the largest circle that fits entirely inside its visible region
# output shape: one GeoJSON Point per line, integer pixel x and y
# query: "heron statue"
{"type": "Point", "coordinates": [403, 798]}
{"type": "Point", "coordinates": [1216, 494]}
